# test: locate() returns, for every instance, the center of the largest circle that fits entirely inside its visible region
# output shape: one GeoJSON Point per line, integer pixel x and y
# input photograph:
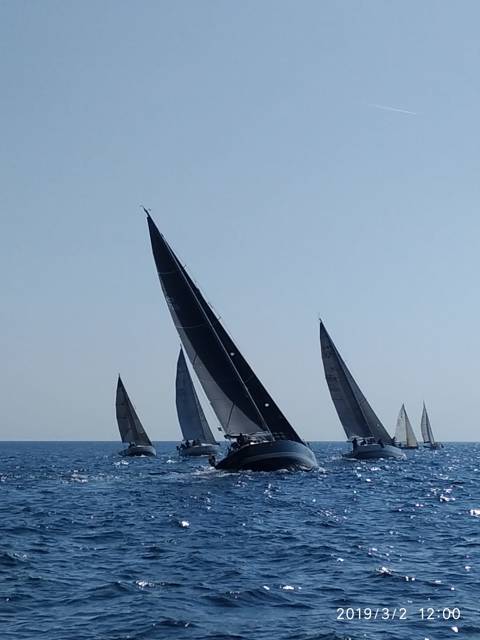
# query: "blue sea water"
{"type": "Point", "coordinates": [97, 546]}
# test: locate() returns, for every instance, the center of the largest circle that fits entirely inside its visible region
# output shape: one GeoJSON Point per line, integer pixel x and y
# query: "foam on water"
{"type": "Point", "coordinates": [94, 546]}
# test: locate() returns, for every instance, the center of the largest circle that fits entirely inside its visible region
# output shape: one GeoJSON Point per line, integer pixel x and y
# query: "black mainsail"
{"type": "Point", "coordinates": [238, 398]}
{"type": "Point", "coordinates": [356, 415]}
{"type": "Point", "coordinates": [129, 425]}
{"type": "Point", "coordinates": [192, 420]}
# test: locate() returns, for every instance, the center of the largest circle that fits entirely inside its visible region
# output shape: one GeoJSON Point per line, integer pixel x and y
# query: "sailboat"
{"type": "Point", "coordinates": [363, 428]}
{"type": "Point", "coordinates": [198, 438]}
{"type": "Point", "coordinates": [130, 427]}
{"type": "Point", "coordinates": [404, 435]}
{"type": "Point", "coordinates": [427, 433]}
{"type": "Point", "coordinates": [261, 437]}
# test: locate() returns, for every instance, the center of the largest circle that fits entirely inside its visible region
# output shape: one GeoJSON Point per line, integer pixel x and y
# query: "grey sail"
{"type": "Point", "coordinates": [192, 420]}
{"type": "Point", "coordinates": [129, 425]}
{"type": "Point", "coordinates": [404, 431]}
{"type": "Point", "coordinates": [427, 433]}
{"type": "Point", "coordinates": [356, 415]}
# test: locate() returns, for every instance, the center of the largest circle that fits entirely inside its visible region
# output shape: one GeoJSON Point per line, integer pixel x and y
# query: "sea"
{"type": "Point", "coordinates": [96, 546]}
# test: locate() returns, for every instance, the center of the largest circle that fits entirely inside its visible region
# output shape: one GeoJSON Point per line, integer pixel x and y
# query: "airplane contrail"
{"type": "Point", "coordinates": [385, 107]}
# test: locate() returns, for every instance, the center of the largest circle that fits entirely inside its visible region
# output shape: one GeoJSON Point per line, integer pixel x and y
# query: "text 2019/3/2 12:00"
{"type": "Point", "coordinates": [397, 613]}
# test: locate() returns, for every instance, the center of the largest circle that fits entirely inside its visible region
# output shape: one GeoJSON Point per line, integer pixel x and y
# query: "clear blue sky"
{"type": "Point", "coordinates": [253, 131]}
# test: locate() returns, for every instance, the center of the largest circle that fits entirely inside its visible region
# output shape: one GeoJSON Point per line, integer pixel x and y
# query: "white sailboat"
{"type": "Point", "coordinates": [427, 433]}
{"type": "Point", "coordinates": [404, 435]}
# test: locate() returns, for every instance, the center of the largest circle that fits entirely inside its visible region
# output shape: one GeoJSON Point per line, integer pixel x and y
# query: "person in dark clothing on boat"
{"type": "Point", "coordinates": [380, 442]}
{"type": "Point", "coordinates": [242, 440]}
{"type": "Point", "coordinates": [355, 443]}
{"type": "Point", "coordinates": [363, 442]}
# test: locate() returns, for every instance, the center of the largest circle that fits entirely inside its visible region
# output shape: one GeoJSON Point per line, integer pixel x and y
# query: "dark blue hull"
{"type": "Point", "coordinates": [374, 452]}
{"type": "Point", "coordinates": [269, 456]}
{"type": "Point", "coordinates": [138, 450]}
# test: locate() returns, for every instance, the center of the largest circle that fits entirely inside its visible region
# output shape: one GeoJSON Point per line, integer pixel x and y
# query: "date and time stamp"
{"type": "Point", "coordinates": [390, 614]}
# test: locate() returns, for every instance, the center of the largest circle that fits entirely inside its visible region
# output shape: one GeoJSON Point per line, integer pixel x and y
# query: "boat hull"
{"type": "Point", "coordinates": [138, 450]}
{"type": "Point", "coordinates": [198, 450]}
{"type": "Point", "coordinates": [374, 452]}
{"type": "Point", "coordinates": [437, 445]}
{"type": "Point", "coordinates": [404, 446]}
{"type": "Point", "coordinates": [270, 456]}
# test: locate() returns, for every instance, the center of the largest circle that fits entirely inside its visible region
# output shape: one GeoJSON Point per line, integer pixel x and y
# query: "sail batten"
{"type": "Point", "coordinates": [129, 425]}
{"type": "Point", "coordinates": [233, 391]}
{"type": "Point", "coordinates": [191, 417]}
{"type": "Point", "coordinates": [356, 415]}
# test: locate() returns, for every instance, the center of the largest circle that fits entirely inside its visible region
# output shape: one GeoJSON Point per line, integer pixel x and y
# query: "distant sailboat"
{"type": "Point", "coordinates": [427, 433]}
{"type": "Point", "coordinates": [130, 427]}
{"type": "Point", "coordinates": [404, 435]}
{"type": "Point", "coordinates": [363, 428]}
{"type": "Point", "coordinates": [262, 438]}
{"type": "Point", "coordinates": [197, 435]}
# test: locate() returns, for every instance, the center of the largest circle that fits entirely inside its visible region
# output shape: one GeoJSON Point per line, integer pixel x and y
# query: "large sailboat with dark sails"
{"type": "Point", "coordinates": [261, 437]}
{"type": "Point", "coordinates": [427, 433]}
{"type": "Point", "coordinates": [198, 439]}
{"type": "Point", "coordinates": [363, 428]}
{"type": "Point", "coordinates": [130, 427]}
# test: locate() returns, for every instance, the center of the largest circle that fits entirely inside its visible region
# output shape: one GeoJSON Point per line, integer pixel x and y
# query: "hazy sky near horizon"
{"type": "Point", "coordinates": [302, 158]}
